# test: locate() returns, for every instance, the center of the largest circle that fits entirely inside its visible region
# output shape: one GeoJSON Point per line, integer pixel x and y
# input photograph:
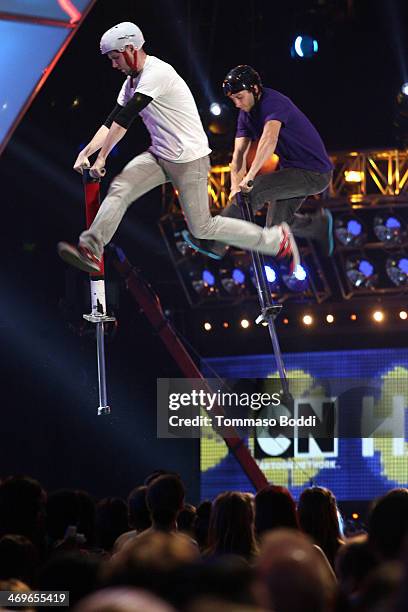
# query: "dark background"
{"type": "Point", "coordinates": [48, 363]}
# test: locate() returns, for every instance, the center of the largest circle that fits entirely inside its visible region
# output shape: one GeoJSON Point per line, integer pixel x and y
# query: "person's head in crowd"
{"type": "Point", "coordinates": [165, 499]}
{"type": "Point", "coordinates": [202, 523]}
{"type": "Point", "coordinates": [380, 590]}
{"type": "Point", "coordinates": [293, 576]}
{"type": "Point", "coordinates": [156, 473]}
{"type": "Point", "coordinates": [22, 508]}
{"type": "Point", "coordinates": [274, 508]}
{"type": "Point", "coordinates": [75, 571]}
{"type": "Point", "coordinates": [231, 529]}
{"type": "Point", "coordinates": [123, 599]}
{"type": "Point", "coordinates": [139, 515]}
{"type": "Point", "coordinates": [186, 519]}
{"type": "Point", "coordinates": [319, 518]}
{"type": "Point", "coordinates": [19, 559]}
{"type": "Point", "coordinates": [111, 521]}
{"type": "Point", "coordinates": [355, 560]}
{"type": "Point", "coordinates": [227, 578]}
{"type": "Point", "coordinates": [63, 511]}
{"type": "Point", "coordinates": [153, 561]}
{"type": "Point", "coordinates": [87, 517]}
{"type": "Point", "coordinates": [388, 524]}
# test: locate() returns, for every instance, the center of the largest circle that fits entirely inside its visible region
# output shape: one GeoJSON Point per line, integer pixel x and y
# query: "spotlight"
{"type": "Point", "coordinates": [355, 516]}
{"type": "Point", "coordinates": [389, 229]}
{"type": "Point", "coordinates": [307, 320]}
{"type": "Point", "coordinates": [297, 281]}
{"type": "Point", "coordinates": [203, 282]}
{"type": "Point", "coordinates": [378, 316]}
{"type": "Point", "coordinates": [215, 109]}
{"type": "Point", "coordinates": [361, 272]}
{"type": "Point", "coordinates": [225, 325]}
{"type": "Point", "coordinates": [245, 323]}
{"type": "Point", "coordinates": [233, 280]}
{"type": "Point", "coordinates": [349, 231]}
{"type": "Point", "coordinates": [403, 315]}
{"type": "Point", "coordinates": [285, 321]}
{"type": "Point", "coordinates": [353, 317]}
{"type": "Point", "coordinates": [397, 269]}
{"type": "Point", "coordinates": [304, 46]}
{"type": "Point", "coordinates": [404, 89]}
{"type": "Point", "coordinates": [353, 176]}
{"type": "Point", "coordinates": [207, 326]}
{"type": "Point", "coordinates": [330, 318]}
{"type": "Point", "coordinates": [270, 274]}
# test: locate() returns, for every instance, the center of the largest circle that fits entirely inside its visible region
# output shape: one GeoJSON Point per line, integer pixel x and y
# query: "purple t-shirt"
{"type": "Point", "coordinates": [299, 144]}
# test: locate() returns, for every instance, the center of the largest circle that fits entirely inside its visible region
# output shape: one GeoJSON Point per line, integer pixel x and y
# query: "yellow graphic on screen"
{"type": "Point", "coordinates": [393, 466]}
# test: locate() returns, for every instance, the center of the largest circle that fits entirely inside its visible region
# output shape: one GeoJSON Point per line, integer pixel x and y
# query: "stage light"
{"type": "Point", "coordinates": [233, 280]}
{"type": "Point", "coordinates": [330, 318]}
{"type": "Point", "coordinates": [353, 176]}
{"type": "Point", "coordinates": [297, 281]}
{"type": "Point", "coordinates": [245, 323]}
{"type": "Point", "coordinates": [285, 321]}
{"type": "Point", "coordinates": [349, 231]}
{"type": "Point", "coordinates": [403, 315]}
{"type": "Point", "coordinates": [304, 46]}
{"type": "Point", "coordinates": [404, 89]}
{"type": "Point", "coordinates": [307, 320]}
{"type": "Point", "coordinates": [215, 109]}
{"type": "Point", "coordinates": [207, 326]}
{"type": "Point", "coordinates": [389, 229]}
{"type": "Point", "coordinates": [353, 317]}
{"type": "Point", "coordinates": [355, 516]}
{"type": "Point", "coordinates": [378, 316]}
{"type": "Point", "coordinates": [225, 325]}
{"type": "Point", "coordinates": [361, 272]}
{"type": "Point", "coordinates": [270, 274]}
{"type": "Point", "coordinates": [203, 282]}
{"type": "Point", "coordinates": [397, 269]}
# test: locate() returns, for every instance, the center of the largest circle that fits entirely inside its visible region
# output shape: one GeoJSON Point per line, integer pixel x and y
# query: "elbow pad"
{"type": "Point", "coordinates": [127, 113]}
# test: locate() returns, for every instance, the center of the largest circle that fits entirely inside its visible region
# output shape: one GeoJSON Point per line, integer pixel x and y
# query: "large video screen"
{"type": "Point", "coordinates": [355, 468]}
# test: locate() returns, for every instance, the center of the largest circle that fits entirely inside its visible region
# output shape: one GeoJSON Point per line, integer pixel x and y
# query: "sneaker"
{"type": "Point", "coordinates": [211, 248]}
{"type": "Point", "coordinates": [80, 257]}
{"type": "Point", "coordinates": [288, 247]}
{"type": "Point", "coordinates": [325, 236]}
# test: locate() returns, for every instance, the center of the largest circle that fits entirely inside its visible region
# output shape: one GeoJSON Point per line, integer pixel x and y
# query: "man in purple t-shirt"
{"type": "Point", "coordinates": [305, 169]}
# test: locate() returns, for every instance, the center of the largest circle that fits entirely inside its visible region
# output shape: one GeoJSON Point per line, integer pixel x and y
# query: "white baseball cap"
{"type": "Point", "coordinates": [120, 35]}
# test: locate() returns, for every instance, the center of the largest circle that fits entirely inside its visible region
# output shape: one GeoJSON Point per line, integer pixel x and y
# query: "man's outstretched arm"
{"type": "Point", "coordinates": [266, 148]}
{"type": "Point", "coordinates": [238, 163]}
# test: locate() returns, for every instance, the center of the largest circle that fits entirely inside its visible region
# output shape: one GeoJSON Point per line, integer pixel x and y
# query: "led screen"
{"type": "Point", "coordinates": [64, 10]}
{"type": "Point", "coordinates": [356, 469]}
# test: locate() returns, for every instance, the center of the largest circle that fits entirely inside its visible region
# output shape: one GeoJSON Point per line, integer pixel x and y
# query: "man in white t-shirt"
{"type": "Point", "coordinates": [178, 153]}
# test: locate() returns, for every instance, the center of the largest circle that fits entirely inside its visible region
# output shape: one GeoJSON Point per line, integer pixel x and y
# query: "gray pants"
{"type": "Point", "coordinates": [190, 179]}
{"type": "Point", "coordinates": [284, 191]}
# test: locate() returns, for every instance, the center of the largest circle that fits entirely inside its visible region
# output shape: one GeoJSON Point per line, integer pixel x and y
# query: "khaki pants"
{"type": "Point", "coordinates": [190, 179]}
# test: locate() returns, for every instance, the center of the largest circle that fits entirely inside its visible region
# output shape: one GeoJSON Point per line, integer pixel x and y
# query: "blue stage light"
{"type": "Point", "coordinates": [300, 273]}
{"type": "Point", "coordinates": [238, 276]}
{"type": "Point", "coordinates": [397, 269]}
{"type": "Point", "coordinates": [404, 89]}
{"type": "Point", "coordinates": [349, 231]}
{"type": "Point", "coordinates": [304, 46]}
{"type": "Point", "coordinates": [208, 278]}
{"type": "Point", "coordinates": [389, 229]}
{"type": "Point", "coordinates": [215, 109]}
{"type": "Point", "coordinates": [361, 272]}
{"type": "Point", "coordinates": [270, 274]}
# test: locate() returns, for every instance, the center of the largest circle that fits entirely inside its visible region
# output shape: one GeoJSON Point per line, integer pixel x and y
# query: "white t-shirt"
{"type": "Point", "coordinates": [171, 117]}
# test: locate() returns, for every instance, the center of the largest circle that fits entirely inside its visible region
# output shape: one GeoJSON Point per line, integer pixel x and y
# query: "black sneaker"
{"type": "Point", "coordinates": [80, 257]}
{"type": "Point", "coordinates": [325, 236]}
{"type": "Point", "coordinates": [211, 248]}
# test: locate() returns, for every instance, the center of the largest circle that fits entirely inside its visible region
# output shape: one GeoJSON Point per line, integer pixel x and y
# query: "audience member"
{"type": "Point", "coordinates": [274, 507]}
{"type": "Point", "coordinates": [319, 518]}
{"type": "Point", "coordinates": [388, 524]}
